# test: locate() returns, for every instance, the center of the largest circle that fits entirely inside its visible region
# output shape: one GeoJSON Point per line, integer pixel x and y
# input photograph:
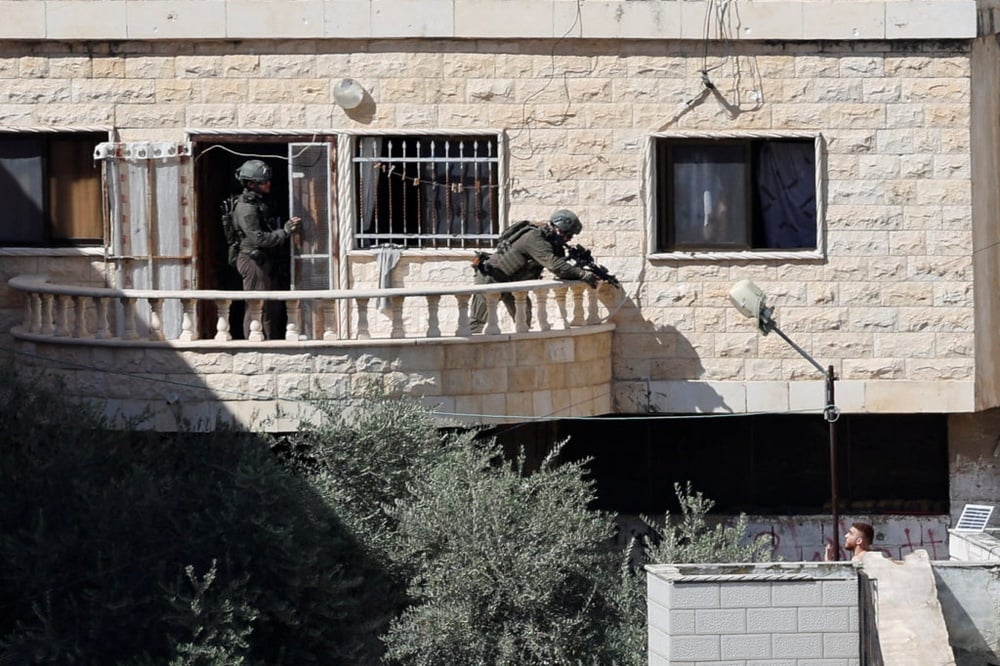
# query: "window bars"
{"type": "Point", "coordinates": [437, 191]}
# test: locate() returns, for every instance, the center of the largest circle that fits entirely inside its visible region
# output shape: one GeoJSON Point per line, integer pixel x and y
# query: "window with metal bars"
{"type": "Point", "coordinates": [427, 191]}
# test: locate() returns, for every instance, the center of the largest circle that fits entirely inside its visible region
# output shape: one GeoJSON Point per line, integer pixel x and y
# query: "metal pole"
{"type": "Point", "coordinates": [831, 413]}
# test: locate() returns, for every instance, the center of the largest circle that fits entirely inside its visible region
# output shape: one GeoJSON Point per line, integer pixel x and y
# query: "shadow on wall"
{"type": "Point", "coordinates": [658, 370]}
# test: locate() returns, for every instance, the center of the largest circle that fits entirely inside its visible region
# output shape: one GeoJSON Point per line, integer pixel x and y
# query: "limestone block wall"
{"type": "Point", "coordinates": [890, 305]}
{"type": "Point", "coordinates": [198, 385]}
{"type": "Point", "coordinates": [743, 615]}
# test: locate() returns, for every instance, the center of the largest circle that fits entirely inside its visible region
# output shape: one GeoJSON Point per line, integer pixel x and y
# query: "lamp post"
{"type": "Point", "coordinates": [749, 300]}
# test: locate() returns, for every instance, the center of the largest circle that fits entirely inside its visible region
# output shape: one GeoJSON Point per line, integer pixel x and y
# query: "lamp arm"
{"type": "Point", "coordinates": [774, 327]}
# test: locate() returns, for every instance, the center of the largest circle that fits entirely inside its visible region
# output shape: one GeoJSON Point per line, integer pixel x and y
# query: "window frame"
{"type": "Point", "coordinates": [348, 188]}
{"type": "Point", "coordinates": [68, 246]}
{"type": "Point", "coordinates": [655, 229]}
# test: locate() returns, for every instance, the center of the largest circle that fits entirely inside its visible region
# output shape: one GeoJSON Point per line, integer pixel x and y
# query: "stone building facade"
{"type": "Point", "coordinates": [895, 103]}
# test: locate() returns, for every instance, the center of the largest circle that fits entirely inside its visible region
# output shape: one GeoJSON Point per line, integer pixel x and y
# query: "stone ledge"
{"type": "Point", "coordinates": [493, 19]}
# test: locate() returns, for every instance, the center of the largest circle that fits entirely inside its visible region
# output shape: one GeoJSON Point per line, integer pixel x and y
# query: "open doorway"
{"type": "Point", "coordinates": [216, 159]}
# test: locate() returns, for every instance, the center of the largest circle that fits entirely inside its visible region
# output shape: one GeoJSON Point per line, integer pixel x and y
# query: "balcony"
{"type": "Point", "coordinates": [140, 354]}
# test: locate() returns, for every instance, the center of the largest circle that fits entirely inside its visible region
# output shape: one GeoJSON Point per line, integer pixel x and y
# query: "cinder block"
{"type": "Point", "coordinates": [694, 648]}
{"type": "Point", "coordinates": [824, 619]}
{"type": "Point", "coordinates": [745, 647]}
{"type": "Point", "coordinates": [797, 594]}
{"type": "Point", "coordinates": [841, 645]}
{"type": "Point", "coordinates": [746, 595]}
{"type": "Point", "coordinates": [840, 592]}
{"type": "Point", "coordinates": [658, 645]}
{"type": "Point", "coordinates": [681, 622]}
{"type": "Point", "coordinates": [772, 620]}
{"type": "Point", "coordinates": [720, 621]}
{"type": "Point", "coordinates": [797, 646]}
{"type": "Point", "coordinates": [694, 595]}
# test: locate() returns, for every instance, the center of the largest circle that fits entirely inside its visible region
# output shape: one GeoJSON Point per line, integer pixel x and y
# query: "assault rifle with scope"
{"type": "Point", "coordinates": [582, 257]}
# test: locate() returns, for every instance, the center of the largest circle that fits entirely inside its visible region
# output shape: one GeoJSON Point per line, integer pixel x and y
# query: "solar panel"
{"type": "Point", "coordinates": [974, 518]}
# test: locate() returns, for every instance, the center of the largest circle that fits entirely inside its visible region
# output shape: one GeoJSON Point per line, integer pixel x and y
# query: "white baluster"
{"type": "Point", "coordinates": [363, 333]}
{"type": "Point", "coordinates": [48, 326]}
{"type": "Point", "coordinates": [294, 311]}
{"type": "Point", "coordinates": [256, 328]}
{"type": "Point", "coordinates": [561, 293]}
{"type": "Point", "coordinates": [80, 307]}
{"type": "Point", "coordinates": [103, 323]}
{"type": "Point", "coordinates": [492, 322]}
{"type": "Point", "coordinates": [462, 329]}
{"type": "Point", "coordinates": [329, 310]}
{"type": "Point", "coordinates": [396, 307]}
{"type": "Point", "coordinates": [433, 323]}
{"type": "Point", "coordinates": [63, 316]}
{"type": "Point", "coordinates": [155, 319]}
{"type": "Point", "coordinates": [129, 323]}
{"type": "Point", "coordinates": [188, 330]}
{"type": "Point", "coordinates": [542, 309]}
{"type": "Point", "coordinates": [578, 314]}
{"type": "Point", "coordinates": [520, 311]}
{"type": "Point", "coordinates": [222, 333]}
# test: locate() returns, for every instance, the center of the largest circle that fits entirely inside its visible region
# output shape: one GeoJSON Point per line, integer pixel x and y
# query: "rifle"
{"type": "Point", "coordinates": [582, 257]}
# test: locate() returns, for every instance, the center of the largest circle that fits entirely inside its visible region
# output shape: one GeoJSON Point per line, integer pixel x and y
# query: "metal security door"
{"type": "Point", "coordinates": [314, 248]}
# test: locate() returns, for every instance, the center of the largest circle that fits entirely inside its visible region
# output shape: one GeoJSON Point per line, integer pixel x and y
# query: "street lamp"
{"type": "Point", "coordinates": [749, 300]}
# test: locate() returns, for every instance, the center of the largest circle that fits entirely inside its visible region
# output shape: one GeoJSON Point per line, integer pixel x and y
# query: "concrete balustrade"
{"type": "Point", "coordinates": [95, 315]}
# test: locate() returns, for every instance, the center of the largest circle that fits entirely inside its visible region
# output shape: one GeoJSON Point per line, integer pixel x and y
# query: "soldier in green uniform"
{"type": "Point", "coordinates": [523, 257]}
{"type": "Point", "coordinates": [262, 238]}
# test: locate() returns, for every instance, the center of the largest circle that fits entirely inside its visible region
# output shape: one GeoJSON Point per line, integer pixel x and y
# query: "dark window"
{"type": "Point", "coordinates": [51, 189]}
{"type": "Point", "coordinates": [761, 464]}
{"type": "Point", "coordinates": [735, 194]}
{"type": "Point", "coordinates": [427, 191]}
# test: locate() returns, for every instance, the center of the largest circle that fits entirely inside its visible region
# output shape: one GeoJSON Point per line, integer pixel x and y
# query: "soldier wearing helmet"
{"type": "Point", "coordinates": [263, 238]}
{"type": "Point", "coordinates": [524, 256]}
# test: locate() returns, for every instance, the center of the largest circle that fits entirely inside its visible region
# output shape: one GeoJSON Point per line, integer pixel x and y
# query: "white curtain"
{"type": "Point", "coordinates": [151, 236]}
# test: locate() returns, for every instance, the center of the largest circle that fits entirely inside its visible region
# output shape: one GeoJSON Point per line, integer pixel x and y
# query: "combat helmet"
{"type": "Point", "coordinates": [254, 171]}
{"type": "Point", "coordinates": [566, 222]}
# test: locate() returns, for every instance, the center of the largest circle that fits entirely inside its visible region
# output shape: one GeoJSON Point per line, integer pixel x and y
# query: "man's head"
{"type": "Point", "coordinates": [566, 223]}
{"type": "Point", "coordinates": [860, 535]}
{"type": "Point", "coordinates": [254, 173]}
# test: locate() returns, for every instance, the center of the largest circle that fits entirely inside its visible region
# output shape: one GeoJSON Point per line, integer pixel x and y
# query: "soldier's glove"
{"type": "Point", "coordinates": [589, 278]}
{"type": "Point", "coordinates": [292, 225]}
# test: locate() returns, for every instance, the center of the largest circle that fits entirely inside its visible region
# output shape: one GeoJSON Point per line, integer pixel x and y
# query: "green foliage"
{"type": "Point", "coordinates": [362, 463]}
{"type": "Point", "coordinates": [693, 540]}
{"type": "Point", "coordinates": [510, 568]}
{"type": "Point", "coordinates": [136, 548]}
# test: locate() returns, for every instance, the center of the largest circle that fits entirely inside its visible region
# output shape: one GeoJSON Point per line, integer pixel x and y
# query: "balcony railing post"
{"type": "Point", "coordinates": [222, 333]}
{"type": "Point", "coordinates": [560, 293]}
{"type": "Point", "coordinates": [256, 306]}
{"type": "Point", "coordinates": [396, 311]}
{"type": "Point", "coordinates": [81, 330]}
{"type": "Point", "coordinates": [294, 312]}
{"type": "Point", "coordinates": [329, 313]}
{"type": "Point", "coordinates": [542, 311]}
{"type": "Point", "coordinates": [188, 331]}
{"type": "Point", "coordinates": [103, 322]}
{"type": "Point", "coordinates": [521, 311]}
{"type": "Point", "coordinates": [128, 325]}
{"type": "Point", "coordinates": [492, 322]}
{"type": "Point", "coordinates": [155, 319]}
{"type": "Point", "coordinates": [433, 324]}
{"type": "Point", "coordinates": [578, 314]}
{"type": "Point", "coordinates": [462, 330]}
{"type": "Point", "coordinates": [363, 333]}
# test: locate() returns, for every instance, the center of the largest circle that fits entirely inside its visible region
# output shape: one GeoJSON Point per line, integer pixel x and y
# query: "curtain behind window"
{"type": "Point", "coordinates": [786, 194]}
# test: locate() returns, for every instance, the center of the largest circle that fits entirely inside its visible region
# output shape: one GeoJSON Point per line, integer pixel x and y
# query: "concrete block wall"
{"type": "Point", "coordinates": [751, 615]}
